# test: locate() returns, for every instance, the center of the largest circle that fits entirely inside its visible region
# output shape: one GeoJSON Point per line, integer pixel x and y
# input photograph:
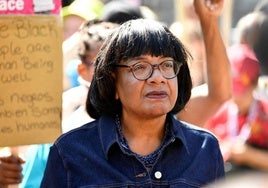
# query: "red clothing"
{"type": "Point", "coordinates": [252, 127]}
{"type": "Point", "coordinates": [259, 127]}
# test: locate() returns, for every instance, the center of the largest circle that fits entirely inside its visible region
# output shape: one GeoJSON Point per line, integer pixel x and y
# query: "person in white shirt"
{"type": "Point", "coordinates": [90, 38]}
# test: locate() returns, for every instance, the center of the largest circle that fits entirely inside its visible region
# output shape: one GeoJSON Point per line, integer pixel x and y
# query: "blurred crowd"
{"type": "Point", "coordinates": [238, 118]}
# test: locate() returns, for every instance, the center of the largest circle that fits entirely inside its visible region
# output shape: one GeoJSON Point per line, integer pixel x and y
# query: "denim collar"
{"type": "Point", "coordinates": [108, 135]}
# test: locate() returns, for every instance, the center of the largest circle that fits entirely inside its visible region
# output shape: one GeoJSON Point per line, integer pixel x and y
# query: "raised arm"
{"type": "Point", "coordinates": [201, 106]}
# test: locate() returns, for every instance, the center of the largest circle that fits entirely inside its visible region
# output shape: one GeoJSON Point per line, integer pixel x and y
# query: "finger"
{"type": "Point", "coordinates": [214, 5]}
{"type": "Point", "coordinates": [16, 175]}
{"type": "Point", "coordinates": [12, 159]}
{"type": "Point", "coordinates": [7, 166]}
{"type": "Point", "coordinates": [8, 181]}
{"type": "Point", "coordinates": [10, 173]}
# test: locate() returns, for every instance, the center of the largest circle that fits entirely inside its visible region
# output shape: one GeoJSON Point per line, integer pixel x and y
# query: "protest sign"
{"type": "Point", "coordinates": [30, 79]}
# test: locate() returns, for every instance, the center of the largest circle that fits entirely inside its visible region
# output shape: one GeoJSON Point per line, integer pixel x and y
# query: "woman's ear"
{"type": "Point", "coordinates": [80, 68]}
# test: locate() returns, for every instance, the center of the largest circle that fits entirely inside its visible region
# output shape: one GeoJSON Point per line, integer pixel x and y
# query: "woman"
{"type": "Point", "coordinates": [141, 81]}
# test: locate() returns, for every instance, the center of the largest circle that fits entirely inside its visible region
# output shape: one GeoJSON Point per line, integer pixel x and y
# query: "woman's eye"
{"type": "Point", "coordinates": [168, 64]}
{"type": "Point", "coordinates": [139, 66]}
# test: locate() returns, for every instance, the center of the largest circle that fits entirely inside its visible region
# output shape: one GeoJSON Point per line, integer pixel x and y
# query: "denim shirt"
{"type": "Point", "coordinates": [91, 156]}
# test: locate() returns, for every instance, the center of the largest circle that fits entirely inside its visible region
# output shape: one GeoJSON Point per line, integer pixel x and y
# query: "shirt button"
{"type": "Point", "coordinates": [158, 175]}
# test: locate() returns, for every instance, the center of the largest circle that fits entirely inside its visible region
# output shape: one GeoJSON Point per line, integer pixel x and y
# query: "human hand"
{"type": "Point", "coordinates": [225, 147]}
{"type": "Point", "coordinates": [238, 153]}
{"type": "Point", "coordinates": [207, 9]}
{"type": "Point", "coordinates": [10, 170]}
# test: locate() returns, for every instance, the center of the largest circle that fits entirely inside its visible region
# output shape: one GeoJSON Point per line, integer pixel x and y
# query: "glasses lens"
{"type": "Point", "coordinates": [169, 69]}
{"type": "Point", "coordinates": [142, 70]}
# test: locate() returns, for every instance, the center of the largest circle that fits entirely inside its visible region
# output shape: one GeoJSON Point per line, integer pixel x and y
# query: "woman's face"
{"type": "Point", "coordinates": [153, 97]}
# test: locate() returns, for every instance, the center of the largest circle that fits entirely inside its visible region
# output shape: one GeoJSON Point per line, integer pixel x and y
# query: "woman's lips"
{"type": "Point", "coordinates": [156, 94]}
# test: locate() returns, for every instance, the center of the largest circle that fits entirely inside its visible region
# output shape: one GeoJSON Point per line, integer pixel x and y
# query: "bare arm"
{"type": "Point", "coordinates": [201, 107]}
{"type": "Point", "coordinates": [243, 154]}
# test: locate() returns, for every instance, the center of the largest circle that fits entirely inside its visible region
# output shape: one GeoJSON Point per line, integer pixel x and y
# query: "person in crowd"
{"type": "Point", "coordinates": [91, 37]}
{"type": "Point", "coordinates": [206, 99]}
{"type": "Point", "coordinates": [248, 28]}
{"type": "Point", "coordinates": [10, 170]}
{"type": "Point", "coordinates": [141, 81]}
{"type": "Point", "coordinates": [241, 123]}
{"type": "Point", "coordinates": [74, 15]}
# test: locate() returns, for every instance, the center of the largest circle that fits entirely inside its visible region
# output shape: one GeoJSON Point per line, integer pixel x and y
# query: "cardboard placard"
{"type": "Point", "coordinates": [30, 79]}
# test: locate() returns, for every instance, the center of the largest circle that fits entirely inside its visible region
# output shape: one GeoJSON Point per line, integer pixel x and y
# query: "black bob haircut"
{"type": "Point", "coordinates": [132, 39]}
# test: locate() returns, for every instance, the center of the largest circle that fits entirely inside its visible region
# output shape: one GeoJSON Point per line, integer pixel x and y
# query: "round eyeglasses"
{"type": "Point", "coordinates": [143, 70]}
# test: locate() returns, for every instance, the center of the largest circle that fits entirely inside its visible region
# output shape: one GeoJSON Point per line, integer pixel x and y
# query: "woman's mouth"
{"type": "Point", "coordinates": [156, 95]}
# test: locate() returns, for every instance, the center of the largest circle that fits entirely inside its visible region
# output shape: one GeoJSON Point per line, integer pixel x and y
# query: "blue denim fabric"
{"type": "Point", "coordinates": [90, 156]}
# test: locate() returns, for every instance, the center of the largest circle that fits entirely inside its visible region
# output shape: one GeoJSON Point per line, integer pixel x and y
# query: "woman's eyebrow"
{"type": "Point", "coordinates": [136, 58]}
{"type": "Point", "coordinates": [145, 58]}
